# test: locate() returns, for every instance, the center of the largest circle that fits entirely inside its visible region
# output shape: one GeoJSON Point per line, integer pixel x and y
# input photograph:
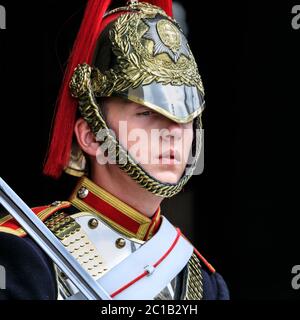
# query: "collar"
{"type": "Point", "coordinates": [88, 196]}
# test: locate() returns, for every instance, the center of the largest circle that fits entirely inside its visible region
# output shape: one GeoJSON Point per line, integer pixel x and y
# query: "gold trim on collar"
{"type": "Point", "coordinates": [145, 224]}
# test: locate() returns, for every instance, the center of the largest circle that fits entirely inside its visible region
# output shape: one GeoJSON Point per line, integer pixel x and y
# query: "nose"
{"type": "Point", "coordinates": [173, 130]}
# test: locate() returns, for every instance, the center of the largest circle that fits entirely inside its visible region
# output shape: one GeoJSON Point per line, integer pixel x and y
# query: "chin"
{"type": "Point", "coordinates": [167, 177]}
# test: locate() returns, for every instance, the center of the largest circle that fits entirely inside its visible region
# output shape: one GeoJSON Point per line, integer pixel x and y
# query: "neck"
{"type": "Point", "coordinates": [119, 184]}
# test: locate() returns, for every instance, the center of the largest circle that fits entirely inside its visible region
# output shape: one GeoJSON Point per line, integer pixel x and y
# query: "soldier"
{"type": "Point", "coordinates": [131, 73]}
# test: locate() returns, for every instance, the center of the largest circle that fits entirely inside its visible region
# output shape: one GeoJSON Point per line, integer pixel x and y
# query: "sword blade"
{"type": "Point", "coordinates": [50, 244]}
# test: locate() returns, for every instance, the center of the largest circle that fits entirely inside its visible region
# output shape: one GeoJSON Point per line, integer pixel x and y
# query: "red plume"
{"type": "Point", "coordinates": [166, 5]}
{"type": "Point", "coordinates": [63, 125]}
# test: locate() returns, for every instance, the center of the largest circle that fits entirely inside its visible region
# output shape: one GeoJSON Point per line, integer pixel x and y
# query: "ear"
{"type": "Point", "coordinates": [85, 137]}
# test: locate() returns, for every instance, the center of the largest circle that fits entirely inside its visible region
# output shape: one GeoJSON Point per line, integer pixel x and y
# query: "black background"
{"type": "Point", "coordinates": [246, 204]}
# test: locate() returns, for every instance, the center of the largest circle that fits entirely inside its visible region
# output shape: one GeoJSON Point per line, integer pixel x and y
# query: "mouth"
{"type": "Point", "coordinates": [170, 157]}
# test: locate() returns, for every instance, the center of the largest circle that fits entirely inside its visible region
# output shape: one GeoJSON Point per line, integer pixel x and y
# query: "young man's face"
{"type": "Point", "coordinates": [158, 144]}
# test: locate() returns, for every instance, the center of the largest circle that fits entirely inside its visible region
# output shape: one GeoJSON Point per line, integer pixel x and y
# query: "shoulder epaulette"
{"type": "Point", "coordinates": [9, 225]}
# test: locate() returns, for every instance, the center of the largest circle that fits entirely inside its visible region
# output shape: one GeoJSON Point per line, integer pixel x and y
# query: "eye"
{"type": "Point", "coordinates": [145, 113]}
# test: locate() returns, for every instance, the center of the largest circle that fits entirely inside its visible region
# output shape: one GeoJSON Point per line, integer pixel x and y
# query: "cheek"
{"type": "Point", "coordinates": [187, 143]}
{"type": "Point", "coordinates": [188, 136]}
{"type": "Point", "coordinates": [138, 141]}
{"type": "Point", "coordinates": [120, 126]}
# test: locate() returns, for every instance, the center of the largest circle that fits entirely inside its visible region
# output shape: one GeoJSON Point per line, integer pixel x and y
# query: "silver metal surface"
{"type": "Point", "coordinates": [178, 103]}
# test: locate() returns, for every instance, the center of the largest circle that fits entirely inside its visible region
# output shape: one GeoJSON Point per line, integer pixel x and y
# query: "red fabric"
{"type": "Point", "coordinates": [112, 213]}
{"type": "Point", "coordinates": [166, 5]}
{"type": "Point", "coordinates": [11, 224]}
{"type": "Point", "coordinates": [65, 114]}
{"type": "Point", "coordinates": [36, 210]}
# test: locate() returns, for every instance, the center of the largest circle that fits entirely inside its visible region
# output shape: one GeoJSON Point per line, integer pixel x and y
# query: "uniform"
{"type": "Point", "coordinates": [137, 53]}
{"type": "Point", "coordinates": [32, 275]}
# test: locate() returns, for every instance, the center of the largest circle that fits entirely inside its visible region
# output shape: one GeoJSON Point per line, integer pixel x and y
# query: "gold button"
{"type": "Point", "coordinates": [93, 223]}
{"type": "Point", "coordinates": [120, 243]}
{"type": "Point", "coordinates": [82, 192]}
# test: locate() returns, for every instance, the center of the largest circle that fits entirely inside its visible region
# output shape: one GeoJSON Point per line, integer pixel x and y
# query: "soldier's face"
{"type": "Point", "coordinates": [158, 144]}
